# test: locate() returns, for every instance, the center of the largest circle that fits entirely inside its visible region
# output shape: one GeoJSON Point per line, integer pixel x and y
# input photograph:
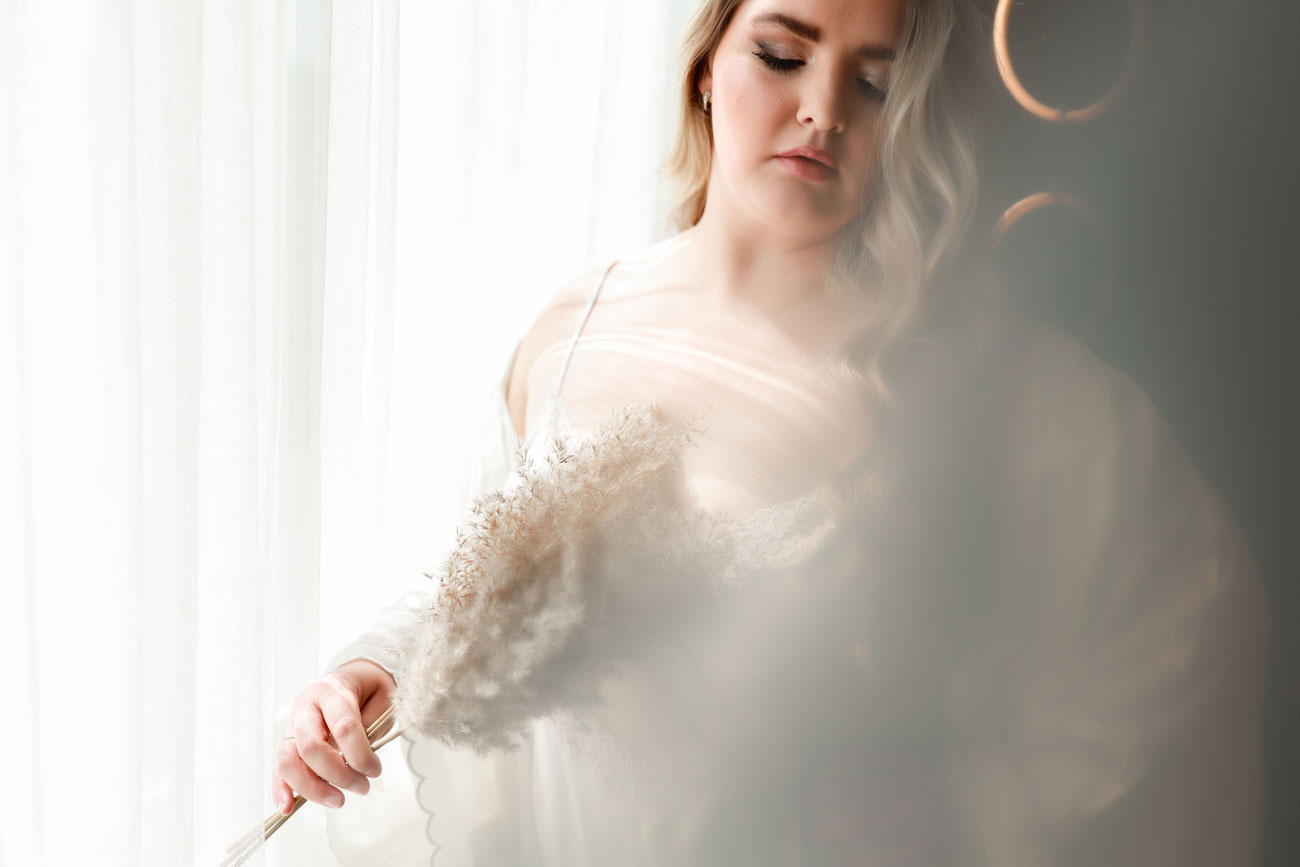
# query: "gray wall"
{"type": "Point", "coordinates": [1195, 174]}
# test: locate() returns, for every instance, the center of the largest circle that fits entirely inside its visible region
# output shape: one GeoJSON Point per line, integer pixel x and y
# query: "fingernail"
{"type": "Point", "coordinates": [360, 787]}
{"type": "Point", "coordinates": [334, 799]}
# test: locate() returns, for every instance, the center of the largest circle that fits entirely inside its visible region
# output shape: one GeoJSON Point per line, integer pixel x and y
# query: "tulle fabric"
{"type": "Point", "coordinates": [1104, 708]}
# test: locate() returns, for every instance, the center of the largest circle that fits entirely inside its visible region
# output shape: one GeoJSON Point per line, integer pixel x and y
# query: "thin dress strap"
{"type": "Point", "coordinates": [573, 344]}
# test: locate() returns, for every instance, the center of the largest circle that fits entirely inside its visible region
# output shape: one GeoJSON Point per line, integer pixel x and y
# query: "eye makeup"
{"type": "Point", "coordinates": [786, 65]}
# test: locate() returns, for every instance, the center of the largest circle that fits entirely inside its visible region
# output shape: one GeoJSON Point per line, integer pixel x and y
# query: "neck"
{"type": "Point", "coordinates": [742, 266]}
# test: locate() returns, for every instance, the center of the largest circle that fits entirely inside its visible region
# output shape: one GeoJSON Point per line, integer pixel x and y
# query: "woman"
{"type": "Point", "coordinates": [1045, 644]}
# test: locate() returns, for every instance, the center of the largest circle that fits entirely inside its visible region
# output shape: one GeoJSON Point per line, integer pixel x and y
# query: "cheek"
{"type": "Point", "coordinates": [753, 109]}
{"type": "Point", "coordinates": [868, 143]}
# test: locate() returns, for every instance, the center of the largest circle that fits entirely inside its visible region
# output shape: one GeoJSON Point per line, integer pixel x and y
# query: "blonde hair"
{"type": "Point", "coordinates": [925, 188]}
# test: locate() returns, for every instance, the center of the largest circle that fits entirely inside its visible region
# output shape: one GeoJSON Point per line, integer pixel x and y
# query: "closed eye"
{"type": "Point", "coordinates": [789, 64]}
{"type": "Point", "coordinates": [871, 92]}
{"type": "Point", "coordinates": [783, 64]}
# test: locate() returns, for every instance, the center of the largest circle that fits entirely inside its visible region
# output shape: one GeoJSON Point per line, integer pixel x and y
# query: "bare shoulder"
{"type": "Point", "coordinates": [555, 323]}
{"type": "Point", "coordinates": [635, 275]}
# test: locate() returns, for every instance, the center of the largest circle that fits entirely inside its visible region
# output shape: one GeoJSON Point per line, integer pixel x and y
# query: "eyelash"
{"type": "Point", "coordinates": [785, 64]}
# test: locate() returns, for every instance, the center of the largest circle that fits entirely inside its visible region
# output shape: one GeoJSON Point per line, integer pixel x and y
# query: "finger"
{"type": "Point", "coordinates": [311, 741]}
{"type": "Point", "coordinates": [370, 712]}
{"type": "Point", "coordinates": [374, 705]}
{"type": "Point", "coordinates": [281, 793]}
{"type": "Point", "coordinates": [342, 716]}
{"type": "Point", "coordinates": [294, 771]}
{"type": "Point", "coordinates": [373, 709]}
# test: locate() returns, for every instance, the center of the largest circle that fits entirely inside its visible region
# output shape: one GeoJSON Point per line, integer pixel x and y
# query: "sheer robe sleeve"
{"type": "Point", "coordinates": [458, 808]}
{"type": "Point", "coordinates": [486, 469]}
{"type": "Point", "coordinates": [1111, 714]}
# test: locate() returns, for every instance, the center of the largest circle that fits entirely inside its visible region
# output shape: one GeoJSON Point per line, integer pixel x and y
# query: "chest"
{"type": "Point", "coordinates": [773, 422]}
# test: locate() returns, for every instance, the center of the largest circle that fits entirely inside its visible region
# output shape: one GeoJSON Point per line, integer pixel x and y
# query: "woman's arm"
{"type": "Point", "coordinates": [1112, 710]}
{"type": "Point", "coordinates": [340, 705]}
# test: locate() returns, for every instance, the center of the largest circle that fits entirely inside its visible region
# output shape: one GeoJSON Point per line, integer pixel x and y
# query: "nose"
{"type": "Point", "coordinates": [824, 101]}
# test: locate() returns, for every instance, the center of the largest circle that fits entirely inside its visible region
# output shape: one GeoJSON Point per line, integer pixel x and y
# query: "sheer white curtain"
{"type": "Point", "coordinates": [259, 264]}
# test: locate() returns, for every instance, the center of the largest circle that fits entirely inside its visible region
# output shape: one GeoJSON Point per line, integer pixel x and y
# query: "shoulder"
{"type": "Point", "coordinates": [556, 322]}
{"type": "Point", "coordinates": [561, 314]}
{"type": "Point", "coordinates": [1033, 408]}
{"type": "Point", "coordinates": [634, 275]}
{"type": "Point", "coordinates": [1089, 455]}
{"type": "Point", "coordinates": [1069, 401]}
{"type": "Point", "coordinates": [1025, 373]}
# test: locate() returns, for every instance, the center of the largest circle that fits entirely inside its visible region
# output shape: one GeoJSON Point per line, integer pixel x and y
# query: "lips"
{"type": "Point", "coordinates": [807, 169]}
{"type": "Point", "coordinates": [811, 153]}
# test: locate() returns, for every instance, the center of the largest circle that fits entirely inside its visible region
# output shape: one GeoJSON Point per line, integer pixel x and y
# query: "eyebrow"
{"type": "Point", "coordinates": [814, 34]}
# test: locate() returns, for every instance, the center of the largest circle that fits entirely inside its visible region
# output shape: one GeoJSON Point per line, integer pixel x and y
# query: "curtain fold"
{"type": "Point", "coordinates": [260, 263]}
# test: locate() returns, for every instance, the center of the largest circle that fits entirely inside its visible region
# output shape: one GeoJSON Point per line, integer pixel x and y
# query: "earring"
{"type": "Point", "coordinates": [704, 98]}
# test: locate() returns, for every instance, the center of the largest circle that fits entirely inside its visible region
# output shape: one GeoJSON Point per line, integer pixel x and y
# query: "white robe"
{"type": "Point", "coordinates": [1104, 709]}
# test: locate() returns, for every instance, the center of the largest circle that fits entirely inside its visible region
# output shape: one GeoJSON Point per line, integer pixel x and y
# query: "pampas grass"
{"type": "Point", "coordinates": [554, 580]}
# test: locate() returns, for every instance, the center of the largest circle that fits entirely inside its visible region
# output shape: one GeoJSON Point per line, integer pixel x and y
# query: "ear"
{"type": "Point", "coordinates": [704, 80]}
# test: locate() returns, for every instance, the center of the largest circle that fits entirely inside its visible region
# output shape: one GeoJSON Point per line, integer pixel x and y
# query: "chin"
{"type": "Point", "coordinates": [804, 223]}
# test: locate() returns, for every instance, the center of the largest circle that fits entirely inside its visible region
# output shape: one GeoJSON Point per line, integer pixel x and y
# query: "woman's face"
{"type": "Point", "coordinates": [799, 73]}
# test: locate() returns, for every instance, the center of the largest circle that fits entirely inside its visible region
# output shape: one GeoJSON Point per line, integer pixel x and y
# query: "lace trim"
{"type": "Point", "coordinates": [776, 538]}
{"type": "Point", "coordinates": [414, 750]}
{"type": "Point", "coordinates": [780, 537]}
{"type": "Point", "coordinates": [780, 534]}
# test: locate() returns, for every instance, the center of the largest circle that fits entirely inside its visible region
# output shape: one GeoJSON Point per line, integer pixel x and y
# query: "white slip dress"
{"type": "Point", "coordinates": [1105, 708]}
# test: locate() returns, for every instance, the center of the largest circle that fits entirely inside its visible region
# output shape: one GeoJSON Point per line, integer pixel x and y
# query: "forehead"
{"type": "Point", "coordinates": [846, 23]}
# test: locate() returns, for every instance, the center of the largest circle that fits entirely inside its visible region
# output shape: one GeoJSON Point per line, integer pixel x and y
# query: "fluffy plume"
{"type": "Point", "coordinates": [554, 580]}
{"type": "Point", "coordinates": [572, 568]}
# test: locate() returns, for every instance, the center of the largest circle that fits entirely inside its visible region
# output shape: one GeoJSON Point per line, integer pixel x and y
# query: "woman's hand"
{"type": "Point", "coordinates": [327, 749]}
